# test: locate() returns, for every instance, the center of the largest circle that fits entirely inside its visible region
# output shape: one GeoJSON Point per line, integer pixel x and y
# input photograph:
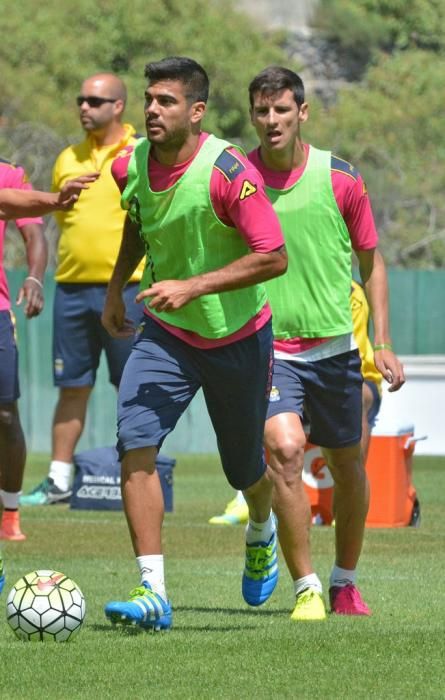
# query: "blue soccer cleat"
{"type": "Point", "coordinates": [145, 609]}
{"type": "Point", "coordinates": [261, 571]}
{"type": "Point", "coordinates": [2, 574]}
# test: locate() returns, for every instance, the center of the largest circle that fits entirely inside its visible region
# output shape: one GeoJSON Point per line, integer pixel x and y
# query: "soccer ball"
{"type": "Point", "coordinates": [45, 606]}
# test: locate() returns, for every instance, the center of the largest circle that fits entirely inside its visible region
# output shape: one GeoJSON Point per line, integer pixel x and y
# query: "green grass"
{"type": "Point", "coordinates": [219, 648]}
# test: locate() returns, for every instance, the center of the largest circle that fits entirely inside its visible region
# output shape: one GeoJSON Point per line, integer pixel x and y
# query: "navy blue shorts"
{"type": "Point", "coordinates": [79, 337]}
{"type": "Point", "coordinates": [328, 391]}
{"type": "Point", "coordinates": [9, 360]}
{"type": "Point", "coordinates": [162, 376]}
{"type": "Point", "coordinates": [376, 403]}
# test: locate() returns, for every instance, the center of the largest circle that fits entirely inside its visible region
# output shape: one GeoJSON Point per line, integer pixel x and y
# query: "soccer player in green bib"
{"type": "Point", "coordinates": [198, 212]}
{"type": "Point", "coordinates": [324, 212]}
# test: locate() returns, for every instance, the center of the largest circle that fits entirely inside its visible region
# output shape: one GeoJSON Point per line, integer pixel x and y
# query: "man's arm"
{"type": "Point", "coordinates": [37, 257]}
{"type": "Point", "coordinates": [131, 252]}
{"type": "Point", "coordinates": [16, 203]}
{"type": "Point", "coordinates": [250, 269]}
{"type": "Point", "coordinates": [373, 275]}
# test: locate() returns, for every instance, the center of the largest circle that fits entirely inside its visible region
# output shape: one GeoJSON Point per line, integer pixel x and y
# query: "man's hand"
{"type": "Point", "coordinates": [390, 368]}
{"type": "Point", "coordinates": [32, 292]}
{"type": "Point", "coordinates": [70, 192]}
{"type": "Point", "coordinates": [170, 295]}
{"type": "Point", "coordinates": [114, 319]}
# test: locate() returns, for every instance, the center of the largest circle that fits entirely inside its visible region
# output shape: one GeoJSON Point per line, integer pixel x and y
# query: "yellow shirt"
{"type": "Point", "coordinates": [360, 316]}
{"type": "Point", "coordinates": [90, 232]}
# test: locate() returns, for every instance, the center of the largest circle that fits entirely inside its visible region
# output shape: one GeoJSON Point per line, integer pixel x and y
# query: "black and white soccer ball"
{"type": "Point", "coordinates": [45, 606]}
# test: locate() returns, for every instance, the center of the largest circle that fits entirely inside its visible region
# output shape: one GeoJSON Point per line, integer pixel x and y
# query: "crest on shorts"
{"type": "Point", "coordinates": [58, 366]}
{"type": "Point", "coordinates": [139, 329]}
{"type": "Point", "coordinates": [274, 394]}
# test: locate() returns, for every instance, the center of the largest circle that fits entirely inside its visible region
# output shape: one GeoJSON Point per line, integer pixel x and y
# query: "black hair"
{"type": "Point", "coordinates": [274, 79]}
{"type": "Point", "coordinates": [186, 70]}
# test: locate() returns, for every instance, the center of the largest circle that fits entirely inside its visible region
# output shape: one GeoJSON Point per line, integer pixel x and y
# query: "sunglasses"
{"type": "Point", "coordinates": [93, 101]}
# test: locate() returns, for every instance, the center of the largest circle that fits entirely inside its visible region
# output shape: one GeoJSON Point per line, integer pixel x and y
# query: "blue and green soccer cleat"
{"type": "Point", "coordinates": [145, 608]}
{"type": "Point", "coordinates": [44, 494]}
{"type": "Point", "coordinates": [2, 574]}
{"type": "Point", "coordinates": [261, 571]}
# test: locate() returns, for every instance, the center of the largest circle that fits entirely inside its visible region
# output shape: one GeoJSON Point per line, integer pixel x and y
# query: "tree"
{"type": "Point", "coordinates": [48, 49]}
{"type": "Point", "coordinates": [391, 126]}
{"type": "Point", "coordinates": [360, 29]}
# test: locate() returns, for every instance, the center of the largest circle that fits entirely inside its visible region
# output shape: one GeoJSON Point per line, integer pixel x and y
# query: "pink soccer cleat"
{"type": "Point", "coordinates": [346, 600]}
{"type": "Point", "coordinates": [10, 526]}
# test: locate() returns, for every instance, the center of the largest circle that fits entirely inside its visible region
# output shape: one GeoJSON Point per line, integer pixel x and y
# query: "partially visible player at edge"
{"type": "Point", "coordinates": [2, 573]}
{"type": "Point", "coordinates": [199, 211]}
{"type": "Point", "coordinates": [15, 202]}
{"type": "Point", "coordinates": [372, 378]}
{"type": "Point", "coordinates": [325, 213]}
{"type": "Point", "coordinates": [12, 439]}
{"type": "Point", "coordinates": [23, 203]}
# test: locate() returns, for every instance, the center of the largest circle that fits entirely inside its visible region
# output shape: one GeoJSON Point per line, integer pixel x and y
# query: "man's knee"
{"type": "Point", "coordinates": [140, 459]}
{"type": "Point", "coordinates": [286, 458]}
{"type": "Point", "coordinates": [346, 465]}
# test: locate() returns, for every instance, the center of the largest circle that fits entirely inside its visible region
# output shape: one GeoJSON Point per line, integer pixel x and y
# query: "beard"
{"type": "Point", "coordinates": [168, 141]}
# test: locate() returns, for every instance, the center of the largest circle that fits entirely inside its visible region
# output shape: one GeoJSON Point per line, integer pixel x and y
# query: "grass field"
{"type": "Point", "coordinates": [219, 648]}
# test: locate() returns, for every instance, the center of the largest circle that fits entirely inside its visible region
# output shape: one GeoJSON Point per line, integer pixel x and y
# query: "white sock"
{"type": "Point", "coordinates": [342, 577]}
{"type": "Point", "coordinates": [240, 498]}
{"type": "Point", "coordinates": [61, 474]}
{"type": "Point", "coordinates": [309, 581]}
{"type": "Point", "coordinates": [151, 567]}
{"type": "Point", "coordinates": [10, 500]}
{"type": "Point", "coordinates": [260, 532]}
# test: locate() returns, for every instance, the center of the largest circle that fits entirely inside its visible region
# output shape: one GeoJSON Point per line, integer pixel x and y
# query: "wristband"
{"type": "Point", "coordinates": [34, 279]}
{"type": "Point", "coordinates": [383, 346]}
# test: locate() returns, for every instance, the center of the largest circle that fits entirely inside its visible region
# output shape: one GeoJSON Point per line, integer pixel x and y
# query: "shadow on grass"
{"type": "Point", "coordinates": [117, 629]}
{"type": "Point", "coordinates": [232, 611]}
{"type": "Point", "coordinates": [240, 612]}
{"type": "Point", "coordinates": [131, 631]}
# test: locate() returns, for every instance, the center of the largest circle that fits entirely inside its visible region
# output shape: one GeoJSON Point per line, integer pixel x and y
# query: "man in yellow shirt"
{"type": "Point", "coordinates": [90, 236]}
{"type": "Point", "coordinates": [236, 510]}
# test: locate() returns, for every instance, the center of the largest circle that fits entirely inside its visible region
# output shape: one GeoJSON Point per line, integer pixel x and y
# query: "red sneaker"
{"type": "Point", "coordinates": [346, 600]}
{"type": "Point", "coordinates": [10, 526]}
